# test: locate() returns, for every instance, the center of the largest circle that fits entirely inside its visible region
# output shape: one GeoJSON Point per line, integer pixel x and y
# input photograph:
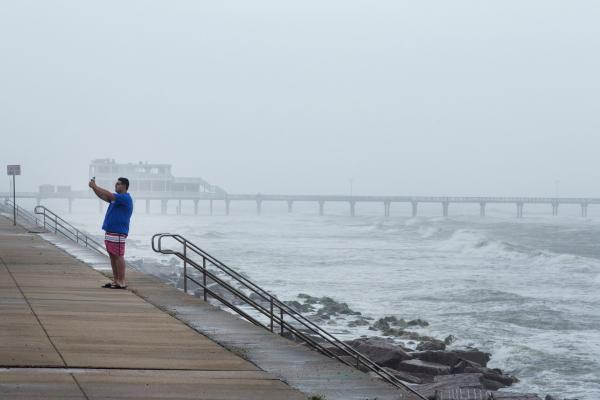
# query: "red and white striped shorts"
{"type": "Point", "coordinates": [115, 243]}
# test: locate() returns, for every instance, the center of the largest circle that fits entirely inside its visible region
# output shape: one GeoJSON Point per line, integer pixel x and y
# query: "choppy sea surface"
{"type": "Point", "coordinates": [526, 290]}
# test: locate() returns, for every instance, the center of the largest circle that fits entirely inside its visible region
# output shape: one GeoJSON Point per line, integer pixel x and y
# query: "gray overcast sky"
{"type": "Point", "coordinates": [406, 97]}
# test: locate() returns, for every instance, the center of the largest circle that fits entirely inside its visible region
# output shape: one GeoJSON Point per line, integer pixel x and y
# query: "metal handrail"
{"type": "Point", "coordinates": [23, 213]}
{"type": "Point", "coordinates": [274, 310]}
{"type": "Point", "coordinates": [52, 222]}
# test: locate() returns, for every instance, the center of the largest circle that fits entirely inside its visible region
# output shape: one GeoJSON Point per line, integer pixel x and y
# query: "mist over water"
{"type": "Point", "coordinates": [524, 290]}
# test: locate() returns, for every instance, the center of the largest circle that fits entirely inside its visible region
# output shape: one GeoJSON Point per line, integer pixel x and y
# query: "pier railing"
{"type": "Point", "coordinates": [53, 223]}
{"type": "Point", "coordinates": [278, 315]}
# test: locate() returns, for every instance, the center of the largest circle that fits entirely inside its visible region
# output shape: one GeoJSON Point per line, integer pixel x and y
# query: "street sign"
{"type": "Point", "coordinates": [13, 170]}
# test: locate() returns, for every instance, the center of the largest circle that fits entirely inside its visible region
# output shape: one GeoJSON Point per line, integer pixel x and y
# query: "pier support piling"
{"type": "Point", "coordinates": [290, 206]}
{"type": "Point", "coordinates": [196, 207]}
{"type": "Point", "coordinates": [147, 206]}
{"type": "Point", "coordinates": [554, 209]}
{"type": "Point", "coordinates": [415, 207]}
{"type": "Point", "coordinates": [445, 208]}
{"type": "Point", "coordinates": [321, 207]}
{"type": "Point", "coordinates": [519, 210]}
{"type": "Point", "coordinates": [227, 204]}
{"type": "Point", "coordinates": [352, 208]}
{"type": "Point", "coordinates": [163, 206]}
{"type": "Point", "coordinates": [70, 205]}
{"type": "Point", "coordinates": [584, 210]}
{"type": "Point", "coordinates": [386, 208]}
{"type": "Point", "coordinates": [258, 207]}
{"type": "Point", "coordinates": [210, 206]}
{"type": "Point", "coordinates": [482, 209]}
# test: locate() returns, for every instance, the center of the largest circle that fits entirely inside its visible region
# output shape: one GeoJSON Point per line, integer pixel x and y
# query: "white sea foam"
{"type": "Point", "coordinates": [428, 231]}
{"type": "Point", "coordinates": [474, 243]}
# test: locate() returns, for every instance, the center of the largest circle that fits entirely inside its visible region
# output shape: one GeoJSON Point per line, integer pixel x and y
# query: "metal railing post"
{"type": "Point", "coordinates": [281, 319]}
{"type": "Point", "coordinates": [204, 276]}
{"type": "Point", "coordinates": [272, 316]}
{"type": "Point", "coordinates": [185, 267]}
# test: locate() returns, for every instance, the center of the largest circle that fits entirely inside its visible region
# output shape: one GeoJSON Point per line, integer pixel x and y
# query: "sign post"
{"type": "Point", "coordinates": [14, 170]}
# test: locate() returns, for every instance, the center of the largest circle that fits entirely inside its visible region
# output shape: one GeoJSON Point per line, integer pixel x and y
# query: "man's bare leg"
{"type": "Point", "coordinates": [120, 261]}
{"type": "Point", "coordinates": [113, 264]}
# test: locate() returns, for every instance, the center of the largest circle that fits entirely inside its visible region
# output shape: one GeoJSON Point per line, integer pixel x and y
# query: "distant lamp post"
{"type": "Point", "coordinates": [14, 170]}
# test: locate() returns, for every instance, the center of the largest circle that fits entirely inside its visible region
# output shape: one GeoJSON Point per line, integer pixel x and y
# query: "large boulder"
{"type": "Point", "coordinates": [382, 351]}
{"type": "Point", "coordinates": [441, 357]}
{"type": "Point", "coordinates": [431, 344]}
{"type": "Point", "coordinates": [476, 356]}
{"type": "Point", "coordinates": [360, 321]}
{"type": "Point", "coordinates": [513, 396]}
{"type": "Point", "coordinates": [424, 367]}
{"type": "Point", "coordinates": [387, 323]}
{"type": "Point", "coordinates": [448, 384]}
{"type": "Point", "coordinates": [453, 357]}
{"type": "Point", "coordinates": [494, 379]}
{"type": "Point", "coordinates": [404, 376]}
{"type": "Point", "coordinates": [461, 380]}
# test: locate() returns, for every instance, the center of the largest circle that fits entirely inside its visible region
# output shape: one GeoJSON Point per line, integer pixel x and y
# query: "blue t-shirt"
{"type": "Point", "coordinates": [118, 214]}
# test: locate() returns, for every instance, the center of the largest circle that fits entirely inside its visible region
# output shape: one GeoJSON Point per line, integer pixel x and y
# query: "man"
{"type": "Point", "coordinates": [116, 226]}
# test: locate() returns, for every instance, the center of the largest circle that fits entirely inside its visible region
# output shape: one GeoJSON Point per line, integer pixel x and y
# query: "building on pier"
{"type": "Point", "coordinates": [148, 178]}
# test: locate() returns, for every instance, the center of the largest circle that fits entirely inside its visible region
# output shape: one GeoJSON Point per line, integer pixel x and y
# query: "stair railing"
{"type": "Point", "coordinates": [278, 314]}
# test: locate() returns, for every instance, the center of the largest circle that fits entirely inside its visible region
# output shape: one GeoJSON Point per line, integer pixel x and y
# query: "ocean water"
{"type": "Point", "coordinates": [527, 291]}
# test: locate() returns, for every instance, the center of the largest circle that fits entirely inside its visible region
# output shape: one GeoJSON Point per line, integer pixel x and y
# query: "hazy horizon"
{"type": "Point", "coordinates": [404, 98]}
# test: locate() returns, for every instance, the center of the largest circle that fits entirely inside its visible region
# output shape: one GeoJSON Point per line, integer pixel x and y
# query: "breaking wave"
{"type": "Point", "coordinates": [468, 242]}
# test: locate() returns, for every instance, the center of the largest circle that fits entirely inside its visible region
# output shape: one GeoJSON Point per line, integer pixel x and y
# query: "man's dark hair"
{"type": "Point", "coordinates": [125, 182]}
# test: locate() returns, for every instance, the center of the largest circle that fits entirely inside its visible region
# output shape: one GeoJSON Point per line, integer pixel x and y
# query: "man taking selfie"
{"type": "Point", "coordinates": [116, 227]}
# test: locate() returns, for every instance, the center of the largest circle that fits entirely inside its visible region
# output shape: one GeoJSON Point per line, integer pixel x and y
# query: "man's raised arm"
{"type": "Point", "coordinates": [100, 192]}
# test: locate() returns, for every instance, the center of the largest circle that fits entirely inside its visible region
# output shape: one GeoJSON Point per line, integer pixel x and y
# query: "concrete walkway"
{"type": "Point", "coordinates": [64, 337]}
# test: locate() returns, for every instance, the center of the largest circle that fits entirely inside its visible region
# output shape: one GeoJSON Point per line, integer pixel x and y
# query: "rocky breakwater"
{"type": "Point", "coordinates": [457, 374]}
{"type": "Point", "coordinates": [429, 365]}
{"type": "Point", "coordinates": [433, 371]}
